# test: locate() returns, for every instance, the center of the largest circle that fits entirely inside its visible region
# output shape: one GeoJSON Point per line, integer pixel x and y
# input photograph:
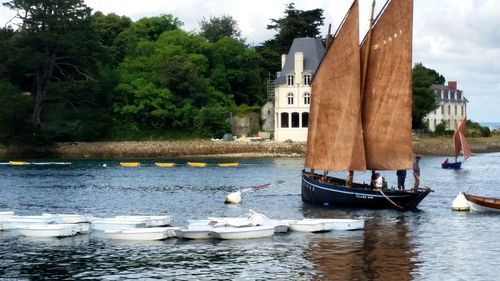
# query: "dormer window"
{"type": "Point", "coordinates": [307, 79]}
{"type": "Point", "coordinates": [289, 80]}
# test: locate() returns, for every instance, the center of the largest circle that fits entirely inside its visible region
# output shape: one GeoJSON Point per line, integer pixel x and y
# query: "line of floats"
{"type": "Point", "coordinates": [129, 164]}
{"type": "Point", "coordinates": [158, 227]}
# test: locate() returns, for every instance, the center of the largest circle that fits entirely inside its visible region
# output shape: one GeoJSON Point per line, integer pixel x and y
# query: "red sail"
{"type": "Point", "coordinates": [461, 143]}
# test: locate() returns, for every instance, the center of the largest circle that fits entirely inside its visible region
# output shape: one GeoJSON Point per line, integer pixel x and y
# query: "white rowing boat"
{"type": "Point", "coordinates": [246, 232]}
{"type": "Point", "coordinates": [49, 230]}
{"type": "Point", "coordinates": [148, 233]}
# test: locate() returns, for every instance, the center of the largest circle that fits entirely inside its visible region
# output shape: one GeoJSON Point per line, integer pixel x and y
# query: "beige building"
{"type": "Point", "coordinates": [292, 94]}
{"type": "Point", "coordinates": [452, 107]}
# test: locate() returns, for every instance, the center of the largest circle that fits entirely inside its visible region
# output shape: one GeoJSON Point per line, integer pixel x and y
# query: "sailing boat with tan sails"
{"type": "Point", "coordinates": [461, 145]}
{"type": "Point", "coordinates": [360, 115]}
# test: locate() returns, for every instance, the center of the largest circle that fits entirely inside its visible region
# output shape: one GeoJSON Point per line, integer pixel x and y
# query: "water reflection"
{"type": "Point", "coordinates": [382, 251]}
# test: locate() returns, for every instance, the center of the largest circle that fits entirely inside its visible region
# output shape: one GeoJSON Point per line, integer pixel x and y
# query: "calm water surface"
{"type": "Point", "coordinates": [433, 243]}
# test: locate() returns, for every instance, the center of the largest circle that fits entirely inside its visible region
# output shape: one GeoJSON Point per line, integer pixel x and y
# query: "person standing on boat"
{"type": "Point", "coordinates": [416, 172]}
{"type": "Point", "coordinates": [401, 179]}
{"type": "Point", "coordinates": [379, 181]}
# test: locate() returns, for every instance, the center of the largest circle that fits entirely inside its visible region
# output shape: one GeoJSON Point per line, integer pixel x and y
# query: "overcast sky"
{"type": "Point", "coordinates": [459, 39]}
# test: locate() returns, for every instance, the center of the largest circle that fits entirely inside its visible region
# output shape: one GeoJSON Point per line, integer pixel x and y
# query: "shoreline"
{"type": "Point", "coordinates": [432, 146]}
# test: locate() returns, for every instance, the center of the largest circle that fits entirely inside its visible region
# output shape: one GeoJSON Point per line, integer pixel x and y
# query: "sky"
{"type": "Point", "coordinates": [458, 39]}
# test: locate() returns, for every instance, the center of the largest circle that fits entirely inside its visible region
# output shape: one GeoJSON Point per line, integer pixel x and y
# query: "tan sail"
{"type": "Point", "coordinates": [335, 140]}
{"type": "Point", "coordinates": [461, 143]}
{"type": "Point", "coordinates": [387, 98]}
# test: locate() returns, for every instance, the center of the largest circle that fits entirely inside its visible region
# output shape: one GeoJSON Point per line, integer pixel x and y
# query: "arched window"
{"type": "Point", "coordinates": [290, 98]}
{"type": "Point", "coordinates": [307, 98]}
{"type": "Point", "coordinates": [284, 120]}
{"type": "Point", "coordinates": [295, 120]}
{"type": "Point", "coordinates": [305, 119]}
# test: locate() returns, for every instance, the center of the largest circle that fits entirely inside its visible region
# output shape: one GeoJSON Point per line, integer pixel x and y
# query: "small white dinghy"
{"type": "Point", "coordinates": [152, 221]}
{"type": "Point", "coordinates": [69, 218]}
{"type": "Point", "coordinates": [49, 230]}
{"type": "Point", "coordinates": [20, 221]}
{"type": "Point", "coordinates": [325, 225]}
{"type": "Point", "coordinates": [103, 224]}
{"type": "Point", "coordinates": [199, 231]}
{"type": "Point", "coordinates": [246, 232]}
{"type": "Point", "coordinates": [147, 233]}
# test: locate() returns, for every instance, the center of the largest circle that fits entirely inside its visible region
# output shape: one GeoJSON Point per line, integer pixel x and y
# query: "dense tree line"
{"type": "Point", "coordinates": [68, 74]}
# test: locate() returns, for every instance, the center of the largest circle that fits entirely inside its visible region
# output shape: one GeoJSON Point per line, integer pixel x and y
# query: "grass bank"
{"type": "Point", "coordinates": [200, 148]}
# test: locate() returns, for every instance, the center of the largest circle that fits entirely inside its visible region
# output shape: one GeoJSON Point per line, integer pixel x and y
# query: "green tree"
{"type": "Point", "coordinates": [54, 42]}
{"type": "Point", "coordinates": [235, 71]}
{"type": "Point", "coordinates": [424, 98]}
{"type": "Point", "coordinates": [216, 28]}
{"type": "Point", "coordinates": [14, 114]}
{"type": "Point", "coordinates": [295, 24]}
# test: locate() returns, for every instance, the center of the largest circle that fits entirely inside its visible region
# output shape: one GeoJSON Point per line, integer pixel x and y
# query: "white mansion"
{"type": "Point", "coordinates": [452, 106]}
{"type": "Point", "coordinates": [292, 94]}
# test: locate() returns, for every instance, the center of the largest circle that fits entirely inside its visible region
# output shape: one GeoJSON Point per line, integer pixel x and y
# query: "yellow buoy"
{"type": "Point", "coordinates": [196, 164]}
{"type": "Point", "coordinates": [18, 163]}
{"type": "Point", "coordinates": [130, 164]}
{"type": "Point", "coordinates": [233, 164]}
{"type": "Point", "coordinates": [164, 165]}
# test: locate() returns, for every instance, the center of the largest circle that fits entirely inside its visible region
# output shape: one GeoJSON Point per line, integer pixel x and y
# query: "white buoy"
{"type": "Point", "coordinates": [104, 165]}
{"type": "Point", "coordinates": [233, 198]}
{"type": "Point", "coordinates": [460, 203]}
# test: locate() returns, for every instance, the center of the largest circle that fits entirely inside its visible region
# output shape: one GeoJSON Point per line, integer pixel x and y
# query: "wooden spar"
{"type": "Point", "coordinates": [365, 62]}
{"type": "Point", "coordinates": [328, 36]}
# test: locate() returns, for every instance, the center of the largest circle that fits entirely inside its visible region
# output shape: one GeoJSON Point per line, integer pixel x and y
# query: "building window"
{"type": "Point", "coordinates": [295, 120]}
{"type": "Point", "coordinates": [455, 110]}
{"type": "Point", "coordinates": [307, 98]}
{"type": "Point", "coordinates": [442, 109]}
{"type": "Point", "coordinates": [284, 120]}
{"type": "Point", "coordinates": [462, 110]}
{"type": "Point", "coordinates": [307, 79]}
{"type": "Point", "coordinates": [435, 123]}
{"type": "Point", "coordinates": [290, 98]}
{"type": "Point", "coordinates": [305, 119]}
{"type": "Point", "coordinates": [289, 80]}
{"type": "Point", "coordinates": [449, 109]}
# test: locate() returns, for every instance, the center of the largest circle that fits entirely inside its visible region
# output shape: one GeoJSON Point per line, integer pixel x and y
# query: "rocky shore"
{"type": "Point", "coordinates": [205, 148]}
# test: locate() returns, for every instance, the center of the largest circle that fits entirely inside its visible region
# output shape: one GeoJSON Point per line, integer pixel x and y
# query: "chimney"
{"type": "Point", "coordinates": [299, 65]}
{"type": "Point", "coordinates": [283, 60]}
{"type": "Point", "coordinates": [452, 85]}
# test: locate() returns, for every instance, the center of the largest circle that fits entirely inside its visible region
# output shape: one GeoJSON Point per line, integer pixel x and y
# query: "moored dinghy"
{"type": "Point", "coordinates": [103, 224]}
{"type": "Point", "coordinates": [148, 233]}
{"type": "Point", "coordinates": [49, 230]}
{"type": "Point", "coordinates": [152, 221]}
{"type": "Point", "coordinates": [479, 203]}
{"type": "Point", "coordinates": [246, 232]}
{"type": "Point", "coordinates": [325, 225]}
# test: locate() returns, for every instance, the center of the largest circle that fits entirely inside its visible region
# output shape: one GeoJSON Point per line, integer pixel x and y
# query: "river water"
{"type": "Point", "coordinates": [433, 243]}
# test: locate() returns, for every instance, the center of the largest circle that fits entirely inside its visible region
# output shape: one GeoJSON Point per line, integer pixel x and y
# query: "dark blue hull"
{"type": "Point", "coordinates": [334, 193]}
{"type": "Point", "coordinates": [455, 166]}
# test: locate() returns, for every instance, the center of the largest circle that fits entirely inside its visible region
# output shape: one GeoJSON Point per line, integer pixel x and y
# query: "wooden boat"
{"type": "Point", "coordinates": [18, 163]}
{"type": "Point", "coordinates": [165, 165]}
{"type": "Point", "coordinates": [130, 164]}
{"type": "Point", "coordinates": [246, 232]}
{"type": "Point", "coordinates": [234, 164]}
{"type": "Point", "coordinates": [197, 164]}
{"type": "Point", "coordinates": [148, 233]}
{"type": "Point", "coordinates": [362, 119]}
{"type": "Point", "coordinates": [461, 145]}
{"type": "Point", "coordinates": [479, 203]}
{"type": "Point", "coordinates": [49, 230]}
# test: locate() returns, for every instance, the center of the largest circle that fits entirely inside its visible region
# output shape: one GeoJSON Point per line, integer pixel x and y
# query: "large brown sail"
{"type": "Point", "coordinates": [461, 143]}
{"type": "Point", "coordinates": [335, 140]}
{"type": "Point", "coordinates": [387, 98]}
